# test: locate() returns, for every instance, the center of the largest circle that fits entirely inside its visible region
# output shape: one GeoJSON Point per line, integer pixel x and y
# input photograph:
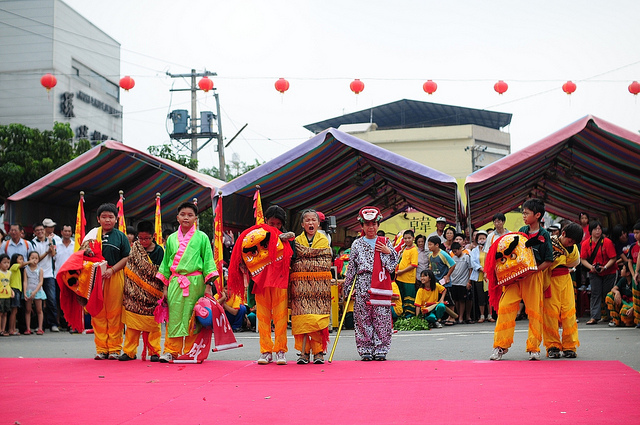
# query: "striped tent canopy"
{"type": "Point", "coordinates": [101, 173]}
{"type": "Point", "coordinates": [590, 165]}
{"type": "Point", "coordinates": [338, 174]}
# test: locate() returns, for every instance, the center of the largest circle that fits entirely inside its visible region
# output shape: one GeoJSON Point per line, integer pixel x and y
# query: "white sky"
{"type": "Point", "coordinates": [393, 47]}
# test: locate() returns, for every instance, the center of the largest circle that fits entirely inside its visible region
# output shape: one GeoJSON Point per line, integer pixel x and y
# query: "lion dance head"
{"type": "Point", "coordinates": [260, 252]}
{"type": "Point", "coordinates": [509, 260]}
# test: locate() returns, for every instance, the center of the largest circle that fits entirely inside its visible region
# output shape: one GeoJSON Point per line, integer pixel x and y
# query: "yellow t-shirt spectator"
{"type": "Point", "coordinates": [5, 284]}
{"type": "Point", "coordinates": [409, 257]}
{"type": "Point", "coordinates": [397, 306]}
{"type": "Point", "coordinates": [424, 298]}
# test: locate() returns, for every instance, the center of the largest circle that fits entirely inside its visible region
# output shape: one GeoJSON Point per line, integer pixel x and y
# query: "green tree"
{"type": "Point", "coordinates": [166, 152]}
{"type": "Point", "coordinates": [27, 154]}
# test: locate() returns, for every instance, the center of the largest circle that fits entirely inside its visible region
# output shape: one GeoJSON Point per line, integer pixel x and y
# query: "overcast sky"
{"type": "Point", "coordinates": [393, 47]}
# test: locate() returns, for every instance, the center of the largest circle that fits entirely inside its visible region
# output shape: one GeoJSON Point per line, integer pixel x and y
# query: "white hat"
{"type": "Point", "coordinates": [47, 222]}
{"type": "Point", "coordinates": [555, 226]}
{"type": "Point", "coordinates": [482, 232]}
{"type": "Point", "coordinates": [441, 219]}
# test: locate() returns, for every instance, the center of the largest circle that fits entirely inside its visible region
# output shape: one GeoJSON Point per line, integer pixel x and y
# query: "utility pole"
{"type": "Point", "coordinates": [194, 135]}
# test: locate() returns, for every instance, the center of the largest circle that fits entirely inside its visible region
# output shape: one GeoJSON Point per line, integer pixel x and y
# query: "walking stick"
{"type": "Point", "coordinates": [344, 314]}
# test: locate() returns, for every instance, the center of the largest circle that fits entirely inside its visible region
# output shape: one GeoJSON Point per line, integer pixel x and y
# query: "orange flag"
{"type": "Point", "coordinates": [81, 222]}
{"type": "Point", "coordinates": [121, 224]}
{"type": "Point", "coordinates": [158, 224]}
{"type": "Point", "coordinates": [195, 202]}
{"type": "Point", "coordinates": [257, 207]}
{"type": "Point", "coordinates": [218, 239]}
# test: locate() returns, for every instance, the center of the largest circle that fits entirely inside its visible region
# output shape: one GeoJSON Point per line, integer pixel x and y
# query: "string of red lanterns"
{"type": "Point", "coordinates": [49, 81]}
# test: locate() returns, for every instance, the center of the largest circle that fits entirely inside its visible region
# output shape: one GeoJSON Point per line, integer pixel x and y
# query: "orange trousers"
{"type": "Point", "coordinates": [179, 345]}
{"type": "Point", "coordinates": [271, 305]}
{"type": "Point", "coordinates": [560, 307]}
{"type": "Point", "coordinates": [132, 339]}
{"type": "Point", "coordinates": [313, 342]}
{"type": "Point", "coordinates": [107, 325]}
{"type": "Point", "coordinates": [528, 290]}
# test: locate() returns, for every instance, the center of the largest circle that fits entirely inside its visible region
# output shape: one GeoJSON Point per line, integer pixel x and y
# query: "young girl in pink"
{"type": "Point", "coordinates": [33, 292]}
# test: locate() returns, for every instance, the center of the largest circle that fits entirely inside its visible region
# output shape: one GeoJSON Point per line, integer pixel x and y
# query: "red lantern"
{"type": "Point", "coordinates": [127, 83]}
{"type": "Point", "coordinates": [282, 85]}
{"type": "Point", "coordinates": [569, 87]}
{"type": "Point", "coordinates": [430, 87]}
{"type": "Point", "coordinates": [500, 87]}
{"type": "Point", "coordinates": [634, 88]}
{"type": "Point", "coordinates": [48, 81]}
{"type": "Point", "coordinates": [356, 86]}
{"type": "Point", "coordinates": [205, 84]}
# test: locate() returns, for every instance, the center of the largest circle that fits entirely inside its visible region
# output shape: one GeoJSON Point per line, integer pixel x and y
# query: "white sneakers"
{"type": "Point", "coordinates": [266, 358]}
{"type": "Point", "coordinates": [281, 359]}
{"type": "Point", "coordinates": [166, 358]}
{"type": "Point", "coordinates": [498, 352]}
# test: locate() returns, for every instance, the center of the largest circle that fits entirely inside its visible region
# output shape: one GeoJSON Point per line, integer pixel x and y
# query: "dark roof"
{"type": "Point", "coordinates": [414, 114]}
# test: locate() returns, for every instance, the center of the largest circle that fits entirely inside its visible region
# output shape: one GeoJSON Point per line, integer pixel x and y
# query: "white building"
{"type": "Point", "coordinates": [47, 36]}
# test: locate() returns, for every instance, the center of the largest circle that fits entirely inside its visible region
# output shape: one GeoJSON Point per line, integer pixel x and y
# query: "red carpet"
{"type": "Point", "coordinates": [70, 391]}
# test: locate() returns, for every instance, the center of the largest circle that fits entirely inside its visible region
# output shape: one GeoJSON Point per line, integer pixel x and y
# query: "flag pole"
{"type": "Point", "coordinates": [344, 314]}
{"type": "Point", "coordinates": [157, 228]}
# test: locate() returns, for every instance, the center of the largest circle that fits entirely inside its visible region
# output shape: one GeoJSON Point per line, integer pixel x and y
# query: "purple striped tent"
{"type": "Point", "coordinates": [591, 165]}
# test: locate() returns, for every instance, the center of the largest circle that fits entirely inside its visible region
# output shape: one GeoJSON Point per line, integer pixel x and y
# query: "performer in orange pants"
{"type": "Point", "coordinates": [528, 289]}
{"type": "Point", "coordinates": [559, 301]}
{"type": "Point", "coordinates": [107, 325]}
{"type": "Point", "coordinates": [271, 305]}
{"type": "Point", "coordinates": [263, 254]}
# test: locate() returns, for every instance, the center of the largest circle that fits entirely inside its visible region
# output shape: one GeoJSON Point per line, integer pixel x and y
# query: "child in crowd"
{"type": "Point", "coordinates": [17, 264]}
{"type": "Point", "coordinates": [33, 292]}
{"type": "Point", "coordinates": [442, 265]}
{"type": "Point", "coordinates": [396, 301]}
{"type": "Point", "coordinates": [620, 300]}
{"type": "Point", "coordinates": [187, 271]}
{"type": "Point", "coordinates": [430, 298]}
{"type": "Point", "coordinates": [461, 284]}
{"type": "Point", "coordinates": [480, 286]}
{"type": "Point", "coordinates": [108, 328]}
{"type": "Point", "coordinates": [6, 293]}
{"type": "Point", "coordinates": [406, 273]}
{"type": "Point", "coordinates": [528, 289]}
{"type": "Point", "coordinates": [559, 304]}
{"type": "Point", "coordinates": [234, 309]}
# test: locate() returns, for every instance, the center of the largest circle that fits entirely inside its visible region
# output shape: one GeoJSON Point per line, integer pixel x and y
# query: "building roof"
{"type": "Point", "coordinates": [591, 165]}
{"type": "Point", "coordinates": [415, 114]}
{"type": "Point", "coordinates": [338, 174]}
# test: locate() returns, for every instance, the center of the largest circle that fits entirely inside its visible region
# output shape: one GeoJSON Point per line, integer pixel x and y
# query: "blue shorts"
{"type": "Point", "coordinates": [40, 295]}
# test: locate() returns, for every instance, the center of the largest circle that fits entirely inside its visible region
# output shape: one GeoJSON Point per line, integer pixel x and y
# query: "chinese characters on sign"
{"type": "Point", "coordinates": [82, 131]}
